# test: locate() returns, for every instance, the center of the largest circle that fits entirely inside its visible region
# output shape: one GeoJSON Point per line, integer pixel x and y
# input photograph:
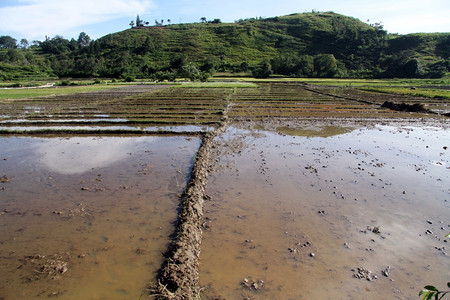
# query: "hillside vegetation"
{"type": "Point", "coordinates": [300, 45]}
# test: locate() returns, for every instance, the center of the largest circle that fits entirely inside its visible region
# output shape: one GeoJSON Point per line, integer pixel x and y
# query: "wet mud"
{"type": "Point", "coordinates": [361, 212]}
{"type": "Point", "coordinates": [179, 278]}
{"type": "Point", "coordinates": [294, 193]}
{"type": "Point", "coordinates": [88, 217]}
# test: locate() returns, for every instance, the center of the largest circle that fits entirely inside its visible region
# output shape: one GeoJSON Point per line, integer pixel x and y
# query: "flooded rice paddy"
{"type": "Point", "coordinates": [88, 217]}
{"type": "Point", "coordinates": [311, 192]}
{"type": "Point", "coordinates": [351, 212]}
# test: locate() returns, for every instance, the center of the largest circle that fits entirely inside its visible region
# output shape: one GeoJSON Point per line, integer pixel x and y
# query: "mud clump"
{"type": "Point", "coordinates": [4, 179]}
{"type": "Point", "coordinates": [179, 278]}
{"type": "Point", "coordinates": [253, 285]}
{"type": "Point", "coordinates": [417, 107]}
{"type": "Point", "coordinates": [362, 273]}
{"type": "Point", "coordinates": [41, 266]}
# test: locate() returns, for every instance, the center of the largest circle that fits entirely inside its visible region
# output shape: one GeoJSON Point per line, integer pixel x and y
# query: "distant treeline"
{"type": "Point", "coordinates": [298, 45]}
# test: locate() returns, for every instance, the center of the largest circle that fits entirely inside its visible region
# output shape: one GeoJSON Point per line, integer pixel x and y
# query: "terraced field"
{"type": "Point", "coordinates": [302, 177]}
{"type": "Point", "coordinates": [436, 104]}
{"type": "Point", "coordinates": [150, 108]}
{"type": "Point", "coordinates": [299, 101]}
{"type": "Point", "coordinates": [133, 108]}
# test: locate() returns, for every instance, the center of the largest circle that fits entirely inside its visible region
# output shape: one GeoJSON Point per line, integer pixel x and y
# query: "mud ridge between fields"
{"type": "Point", "coordinates": [179, 276]}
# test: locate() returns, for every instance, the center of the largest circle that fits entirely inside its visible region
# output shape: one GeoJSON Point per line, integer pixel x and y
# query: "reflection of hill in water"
{"type": "Point", "coordinates": [325, 131]}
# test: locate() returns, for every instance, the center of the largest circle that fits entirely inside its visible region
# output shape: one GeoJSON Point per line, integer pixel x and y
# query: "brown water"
{"type": "Point", "coordinates": [293, 217]}
{"type": "Point", "coordinates": [87, 217]}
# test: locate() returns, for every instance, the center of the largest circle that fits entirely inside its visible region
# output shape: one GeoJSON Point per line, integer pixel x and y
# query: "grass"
{"type": "Point", "coordinates": [20, 93]}
{"type": "Point", "coordinates": [419, 92]}
{"type": "Point", "coordinates": [219, 84]}
{"type": "Point", "coordinates": [349, 82]}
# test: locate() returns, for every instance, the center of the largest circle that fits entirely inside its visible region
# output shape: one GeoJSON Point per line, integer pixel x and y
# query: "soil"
{"type": "Point", "coordinates": [179, 278]}
{"type": "Point", "coordinates": [321, 215]}
{"type": "Point", "coordinates": [284, 109]}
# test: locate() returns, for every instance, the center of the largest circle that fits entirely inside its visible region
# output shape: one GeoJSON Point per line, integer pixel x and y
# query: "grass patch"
{"type": "Point", "coordinates": [351, 82]}
{"type": "Point", "coordinates": [217, 85]}
{"type": "Point", "coordinates": [419, 92]}
{"type": "Point", "coordinates": [326, 131]}
{"type": "Point", "coordinates": [20, 93]}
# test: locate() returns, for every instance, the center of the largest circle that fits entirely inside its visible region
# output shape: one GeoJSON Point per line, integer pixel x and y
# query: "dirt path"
{"type": "Point", "coordinates": [179, 277]}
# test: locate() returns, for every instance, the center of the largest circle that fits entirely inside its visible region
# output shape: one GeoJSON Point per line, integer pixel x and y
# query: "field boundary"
{"type": "Point", "coordinates": [179, 277]}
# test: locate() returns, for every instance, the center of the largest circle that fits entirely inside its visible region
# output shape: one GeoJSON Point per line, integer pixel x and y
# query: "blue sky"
{"type": "Point", "coordinates": [35, 19]}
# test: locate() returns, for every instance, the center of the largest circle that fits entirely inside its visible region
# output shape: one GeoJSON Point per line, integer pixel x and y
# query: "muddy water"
{"type": "Point", "coordinates": [294, 217]}
{"type": "Point", "coordinates": [87, 217]}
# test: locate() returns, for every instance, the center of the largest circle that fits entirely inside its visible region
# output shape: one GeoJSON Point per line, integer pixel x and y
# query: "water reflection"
{"type": "Point", "coordinates": [107, 128]}
{"type": "Point", "coordinates": [81, 154]}
{"type": "Point", "coordinates": [312, 131]}
{"type": "Point", "coordinates": [294, 217]}
{"type": "Point", "coordinates": [88, 218]}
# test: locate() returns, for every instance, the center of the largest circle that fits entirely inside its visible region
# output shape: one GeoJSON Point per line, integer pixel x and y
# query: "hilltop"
{"type": "Point", "coordinates": [301, 45]}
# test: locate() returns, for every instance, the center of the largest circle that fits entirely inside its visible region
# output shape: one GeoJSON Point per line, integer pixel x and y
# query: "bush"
{"type": "Point", "coordinates": [129, 78]}
{"type": "Point", "coordinates": [263, 70]}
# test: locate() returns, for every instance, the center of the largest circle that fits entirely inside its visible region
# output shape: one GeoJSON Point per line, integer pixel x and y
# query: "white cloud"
{"type": "Point", "coordinates": [33, 19]}
{"type": "Point", "coordinates": [50, 17]}
{"type": "Point", "coordinates": [402, 16]}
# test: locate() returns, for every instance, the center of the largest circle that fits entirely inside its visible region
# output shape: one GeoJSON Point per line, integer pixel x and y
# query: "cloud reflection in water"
{"type": "Point", "coordinates": [80, 154]}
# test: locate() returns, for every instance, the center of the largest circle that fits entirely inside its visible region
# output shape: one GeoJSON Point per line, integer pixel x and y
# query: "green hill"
{"type": "Point", "coordinates": [302, 45]}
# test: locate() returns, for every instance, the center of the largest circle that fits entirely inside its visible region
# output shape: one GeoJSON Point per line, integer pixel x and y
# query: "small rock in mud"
{"type": "Point", "coordinates": [361, 273]}
{"type": "Point", "coordinates": [312, 169]}
{"type": "Point", "coordinates": [4, 179]}
{"type": "Point", "coordinates": [386, 272]}
{"type": "Point", "coordinates": [140, 251]}
{"type": "Point", "coordinates": [56, 294]}
{"type": "Point", "coordinates": [254, 285]}
{"type": "Point", "coordinates": [375, 229]}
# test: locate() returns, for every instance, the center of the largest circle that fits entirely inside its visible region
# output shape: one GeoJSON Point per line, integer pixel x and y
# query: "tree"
{"type": "Point", "coordinates": [83, 40]}
{"type": "Point", "coordinates": [263, 70]}
{"type": "Point", "coordinates": [139, 22]}
{"type": "Point", "coordinates": [56, 45]}
{"type": "Point", "coordinates": [24, 43]}
{"type": "Point", "coordinates": [132, 24]}
{"type": "Point", "coordinates": [325, 65]}
{"type": "Point", "coordinates": [14, 56]}
{"type": "Point", "coordinates": [8, 42]}
{"type": "Point", "coordinates": [305, 66]}
{"type": "Point", "coordinates": [203, 19]}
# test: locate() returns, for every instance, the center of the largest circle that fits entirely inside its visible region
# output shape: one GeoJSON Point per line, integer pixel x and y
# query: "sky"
{"type": "Point", "coordinates": [36, 19]}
